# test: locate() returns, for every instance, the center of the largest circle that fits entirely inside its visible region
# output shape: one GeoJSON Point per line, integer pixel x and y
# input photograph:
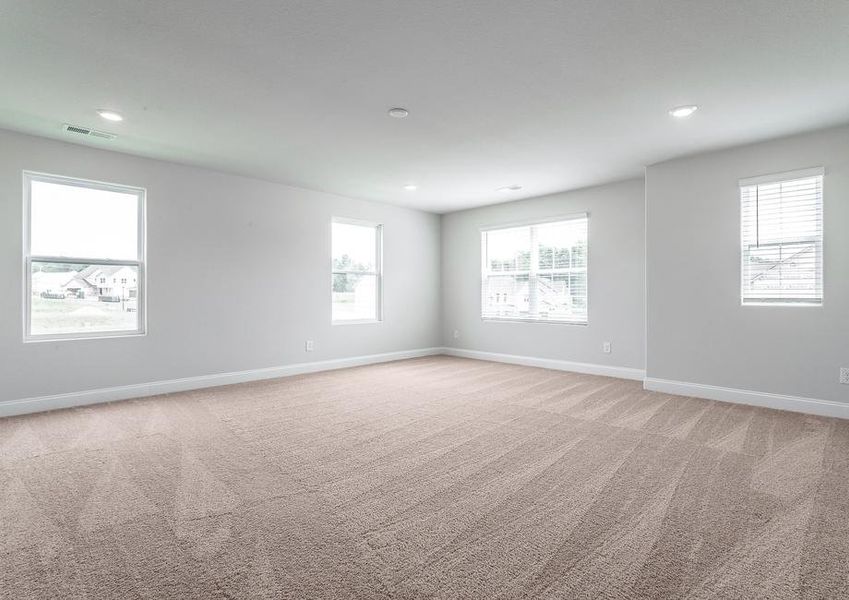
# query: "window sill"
{"type": "Point", "coordinates": [784, 304]}
{"type": "Point", "coordinates": [76, 337]}
{"type": "Point", "coordinates": [357, 322]}
{"type": "Point", "coordinates": [521, 320]}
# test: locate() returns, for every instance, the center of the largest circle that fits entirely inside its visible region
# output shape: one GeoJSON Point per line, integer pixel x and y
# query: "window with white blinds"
{"type": "Point", "coordinates": [782, 238]}
{"type": "Point", "coordinates": [536, 272]}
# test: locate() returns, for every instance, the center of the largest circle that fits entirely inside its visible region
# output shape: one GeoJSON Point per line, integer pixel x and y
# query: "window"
{"type": "Point", "coordinates": [781, 234]}
{"type": "Point", "coordinates": [357, 271]}
{"type": "Point", "coordinates": [536, 272]}
{"type": "Point", "coordinates": [79, 235]}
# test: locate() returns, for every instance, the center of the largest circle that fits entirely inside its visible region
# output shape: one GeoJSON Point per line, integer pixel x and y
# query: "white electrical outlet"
{"type": "Point", "coordinates": [844, 375]}
{"type": "Point", "coordinates": [309, 346]}
{"type": "Point", "coordinates": [605, 347]}
{"type": "Point", "coordinates": [456, 334]}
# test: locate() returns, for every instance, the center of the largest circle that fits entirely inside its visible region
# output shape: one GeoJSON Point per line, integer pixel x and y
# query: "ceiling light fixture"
{"type": "Point", "coordinates": [398, 112]}
{"type": "Point", "coordinates": [510, 188]}
{"type": "Point", "coordinates": [411, 187]}
{"type": "Point", "coordinates": [109, 115]}
{"type": "Point", "coordinates": [682, 112]}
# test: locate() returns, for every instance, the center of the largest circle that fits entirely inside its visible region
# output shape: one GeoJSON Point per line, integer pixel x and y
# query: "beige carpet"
{"type": "Point", "coordinates": [429, 478]}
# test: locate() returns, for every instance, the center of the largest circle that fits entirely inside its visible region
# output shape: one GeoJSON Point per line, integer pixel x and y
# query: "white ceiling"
{"type": "Point", "coordinates": [551, 95]}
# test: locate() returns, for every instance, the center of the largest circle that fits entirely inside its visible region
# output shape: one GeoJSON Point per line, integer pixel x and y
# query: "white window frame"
{"type": "Point", "coordinates": [528, 223]}
{"type": "Point", "coordinates": [29, 258]}
{"type": "Point", "coordinates": [378, 272]}
{"type": "Point", "coordinates": [820, 244]}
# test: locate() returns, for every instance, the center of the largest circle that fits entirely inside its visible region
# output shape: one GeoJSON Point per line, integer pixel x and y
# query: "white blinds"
{"type": "Point", "coordinates": [782, 239]}
{"type": "Point", "coordinates": [536, 272]}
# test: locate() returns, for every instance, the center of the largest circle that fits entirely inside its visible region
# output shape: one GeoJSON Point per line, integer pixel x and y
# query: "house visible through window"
{"type": "Point", "coordinates": [79, 235]}
{"type": "Point", "coordinates": [536, 272]}
{"type": "Point", "coordinates": [782, 238]}
{"type": "Point", "coordinates": [356, 278]}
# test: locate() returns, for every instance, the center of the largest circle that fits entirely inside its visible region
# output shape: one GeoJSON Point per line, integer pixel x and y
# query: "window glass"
{"type": "Point", "coordinates": [84, 259]}
{"type": "Point", "coordinates": [356, 272]}
{"type": "Point", "coordinates": [70, 220]}
{"type": "Point", "coordinates": [536, 272]}
{"type": "Point", "coordinates": [69, 298]}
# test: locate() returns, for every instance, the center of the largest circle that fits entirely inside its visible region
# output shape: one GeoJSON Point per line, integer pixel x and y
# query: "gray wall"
{"type": "Point", "coordinates": [242, 245]}
{"type": "Point", "coordinates": [697, 330]}
{"type": "Point", "coordinates": [616, 279]}
{"type": "Point", "coordinates": [238, 276]}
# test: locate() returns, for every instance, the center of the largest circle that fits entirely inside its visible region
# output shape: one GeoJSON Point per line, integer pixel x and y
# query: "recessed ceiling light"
{"type": "Point", "coordinates": [109, 115]}
{"type": "Point", "coordinates": [411, 187]}
{"type": "Point", "coordinates": [681, 112]}
{"type": "Point", "coordinates": [510, 188]}
{"type": "Point", "coordinates": [398, 113]}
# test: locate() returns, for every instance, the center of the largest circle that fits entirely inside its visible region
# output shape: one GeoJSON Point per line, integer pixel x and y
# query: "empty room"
{"type": "Point", "coordinates": [477, 299]}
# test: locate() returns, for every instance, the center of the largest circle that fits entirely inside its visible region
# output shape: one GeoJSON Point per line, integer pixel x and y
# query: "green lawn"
{"type": "Point", "coordinates": [80, 316]}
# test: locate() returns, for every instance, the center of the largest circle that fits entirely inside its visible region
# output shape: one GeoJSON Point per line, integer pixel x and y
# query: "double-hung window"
{"type": "Point", "coordinates": [536, 272]}
{"type": "Point", "coordinates": [782, 238]}
{"type": "Point", "coordinates": [83, 258]}
{"type": "Point", "coordinates": [357, 271]}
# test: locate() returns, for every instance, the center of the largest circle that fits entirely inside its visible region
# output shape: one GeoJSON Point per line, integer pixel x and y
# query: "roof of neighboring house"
{"type": "Point", "coordinates": [89, 270]}
{"type": "Point", "coordinates": [107, 270]}
{"type": "Point", "coordinates": [93, 272]}
{"type": "Point", "coordinates": [46, 280]}
{"type": "Point", "coordinates": [77, 281]}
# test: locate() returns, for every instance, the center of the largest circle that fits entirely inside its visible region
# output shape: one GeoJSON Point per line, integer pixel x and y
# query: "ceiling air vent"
{"type": "Point", "coordinates": [77, 130]}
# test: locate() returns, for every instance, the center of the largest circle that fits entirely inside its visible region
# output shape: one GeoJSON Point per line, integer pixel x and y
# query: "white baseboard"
{"type": "Point", "coordinates": [139, 390]}
{"type": "Point", "coordinates": [550, 363]}
{"type": "Point", "coordinates": [824, 408]}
